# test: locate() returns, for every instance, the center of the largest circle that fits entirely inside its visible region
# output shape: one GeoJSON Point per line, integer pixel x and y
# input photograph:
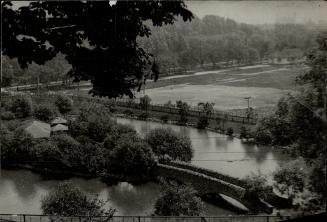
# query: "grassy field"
{"type": "Point", "coordinates": [226, 88]}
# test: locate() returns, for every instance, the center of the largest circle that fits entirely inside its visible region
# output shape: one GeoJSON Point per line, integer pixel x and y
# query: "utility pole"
{"type": "Point", "coordinates": [248, 99]}
{"type": "Point", "coordinates": [248, 110]}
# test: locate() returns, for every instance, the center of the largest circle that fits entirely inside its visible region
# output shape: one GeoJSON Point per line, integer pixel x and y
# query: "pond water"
{"type": "Point", "coordinates": [219, 152]}
{"type": "Point", "coordinates": [21, 191]}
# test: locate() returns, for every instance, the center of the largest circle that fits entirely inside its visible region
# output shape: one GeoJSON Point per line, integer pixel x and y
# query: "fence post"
{"type": "Point", "coordinates": [24, 219]}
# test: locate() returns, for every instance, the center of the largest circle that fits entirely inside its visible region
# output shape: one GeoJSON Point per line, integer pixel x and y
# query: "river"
{"type": "Point", "coordinates": [21, 191]}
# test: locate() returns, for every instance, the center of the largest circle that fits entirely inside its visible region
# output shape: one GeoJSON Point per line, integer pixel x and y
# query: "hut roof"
{"type": "Point", "coordinates": [59, 127]}
{"type": "Point", "coordinates": [37, 129]}
{"type": "Point", "coordinates": [58, 120]}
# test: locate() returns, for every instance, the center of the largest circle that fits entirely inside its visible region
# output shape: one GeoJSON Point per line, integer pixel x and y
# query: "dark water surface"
{"type": "Point", "coordinates": [21, 191]}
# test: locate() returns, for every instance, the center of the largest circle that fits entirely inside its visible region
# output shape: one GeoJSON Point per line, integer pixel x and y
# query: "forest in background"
{"type": "Point", "coordinates": [212, 41]}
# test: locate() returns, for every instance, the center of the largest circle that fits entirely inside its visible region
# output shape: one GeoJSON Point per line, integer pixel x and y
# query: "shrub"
{"type": "Point", "coordinates": [178, 200]}
{"type": "Point", "coordinates": [131, 157]}
{"type": "Point", "coordinates": [68, 200]}
{"type": "Point", "coordinates": [230, 131]}
{"type": "Point", "coordinates": [128, 112]}
{"type": "Point", "coordinates": [119, 131]}
{"type": "Point", "coordinates": [183, 110]}
{"type": "Point", "coordinates": [64, 104]}
{"type": "Point", "coordinates": [7, 115]}
{"type": "Point", "coordinates": [44, 113]}
{"type": "Point", "coordinates": [164, 118]}
{"type": "Point", "coordinates": [202, 122]}
{"type": "Point", "coordinates": [143, 116]}
{"type": "Point", "coordinates": [263, 137]}
{"type": "Point", "coordinates": [6, 138]}
{"type": "Point", "coordinates": [66, 151]}
{"type": "Point", "coordinates": [22, 107]}
{"type": "Point", "coordinates": [168, 142]}
{"type": "Point", "coordinates": [145, 102]}
{"type": "Point", "coordinates": [257, 185]}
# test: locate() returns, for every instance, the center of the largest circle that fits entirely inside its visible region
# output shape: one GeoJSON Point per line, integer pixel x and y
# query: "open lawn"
{"type": "Point", "coordinates": [266, 84]}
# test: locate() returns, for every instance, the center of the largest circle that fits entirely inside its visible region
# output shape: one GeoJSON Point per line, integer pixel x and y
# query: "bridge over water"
{"type": "Point", "coordinates": [211, 182]}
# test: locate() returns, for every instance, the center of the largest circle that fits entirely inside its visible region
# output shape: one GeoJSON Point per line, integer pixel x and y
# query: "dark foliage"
{"type": "Point", "coordinates": [178, 200]}
{"type": "Point", "coordinates": [89, 33]}
{"type": "Point", "coordinates": [68, 200]}
{"type": "Point", "coordinates": [168, 142]}
{"type": "Point", "coordinates": [64, 104]}
{"type": "Point", "coordinates": [22, 107]}
{"type": "Point", "coordinates": [131, 157]}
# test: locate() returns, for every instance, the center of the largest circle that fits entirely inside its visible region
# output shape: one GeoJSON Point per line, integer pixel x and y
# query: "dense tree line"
{"type": "Point", "coordinates": [185, 45]}
{"type": "Point", "coordinates": [215, 40]}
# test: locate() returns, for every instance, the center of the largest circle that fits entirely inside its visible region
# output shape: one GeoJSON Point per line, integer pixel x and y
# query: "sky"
{"type": "Point", "coordinates": [262, 12]}
{"type": "Point", "coordinates": [257, 12]}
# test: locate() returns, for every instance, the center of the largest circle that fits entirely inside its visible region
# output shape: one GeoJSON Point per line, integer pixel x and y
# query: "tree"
{"type": "Point", "coordinates": [207, 109]}
{"type": "Point", "coordinates": [44, 112]}
{"type": "Point", "coordinates": [165, 141]}
{"type": "Point", "coordinates": [89, 33]}
{"type": "Point", "coordinates": [66, 152]}
{"type": "Point", "coordinates": [178, 200]}
{"type": "Point", "coordinates": [22, 107]}
{"type": "Point", "coordinates": [183, 111]}
{"type": "Point", "coordinates": [145, 102]}
{"type": "Point", "coordinates": [257, 185]}
{"type": "Point", "coordinates": [290, 179]}
{"type": "Point", "coordinates": [68, 200]}
{"type": "Point", "coordinates": [131, 157]}
{"type": "Point", "coordinates": [64, 104]}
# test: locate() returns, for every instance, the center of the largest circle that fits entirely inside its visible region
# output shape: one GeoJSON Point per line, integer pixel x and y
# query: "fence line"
{"type": "Point", "coordinates": [52, 218]}
{"type": "Point", "coordinates": [233, 116]}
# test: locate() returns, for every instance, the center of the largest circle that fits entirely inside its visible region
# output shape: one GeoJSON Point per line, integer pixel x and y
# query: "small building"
{"type": "Point", "coordinates": [58, 129]}
{"type": "Point", "coordinates": [58, 126]}
{"type": "Point", "coordinates": [287, 56]}
{"type": "Point", "coordinates": [59, 120]}
{"type": "Point", "coordinates": [37, 129]}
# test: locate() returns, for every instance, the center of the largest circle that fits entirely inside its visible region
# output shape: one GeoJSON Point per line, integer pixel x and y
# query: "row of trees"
{"type": "Point", "coordinates": [185, 45]}
{"type": "Point", "coordinates": [24, 107]}
{"type": "Point", "coordinates": [214, 40]}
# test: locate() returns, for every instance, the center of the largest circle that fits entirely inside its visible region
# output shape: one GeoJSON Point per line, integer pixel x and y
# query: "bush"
{"type": "Point", "coordinates": [263, 137]}
{"type": "Point", "coordinates": [22, 107]}
{"type": "Point", "coordinates": [257, 185]}
{"type": "Point", "coordinates": [64, 104]}
{"type": "Point", "coordinates": [202, 122]}
{"type": "Point", "coordinates": [7, 115]}
{"type": "Point", "coordinates": [128, 112]}
{"type": "Point", "coordinates": [145, 102]}
{"type": "Point", "coordinates": [68, 200]}
{"type": "Point", "coordinates": [178, 200]}
{"type": "Point", "coordinates": [66, 151]}
{"type": "Point", "coordinates": [230, 131]}
{"type": "Point", "coordinates": [168, 142]}
{"type": "Point", "coordinates": [164, 118]}
{"type": "Point", "coordinates": [44, 113]}
{"type": "Point", "coordinates": [143, 116]}
{"type": "Point", "coordinates": [131, 157]}
{"type": "Point", "coordinates": [183, 110]}
{"type": "Point", "coordinates": [119, 131]}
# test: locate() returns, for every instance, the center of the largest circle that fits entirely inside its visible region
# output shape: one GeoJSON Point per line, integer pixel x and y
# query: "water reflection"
{"type": "Point", "coordinates": [21, 191]}
{"type": "Point", "coordinates": [219, 152]}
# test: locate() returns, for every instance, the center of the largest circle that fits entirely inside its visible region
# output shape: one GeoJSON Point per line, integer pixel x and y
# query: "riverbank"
{"type": "Point", "coordinates": [50, 175]}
